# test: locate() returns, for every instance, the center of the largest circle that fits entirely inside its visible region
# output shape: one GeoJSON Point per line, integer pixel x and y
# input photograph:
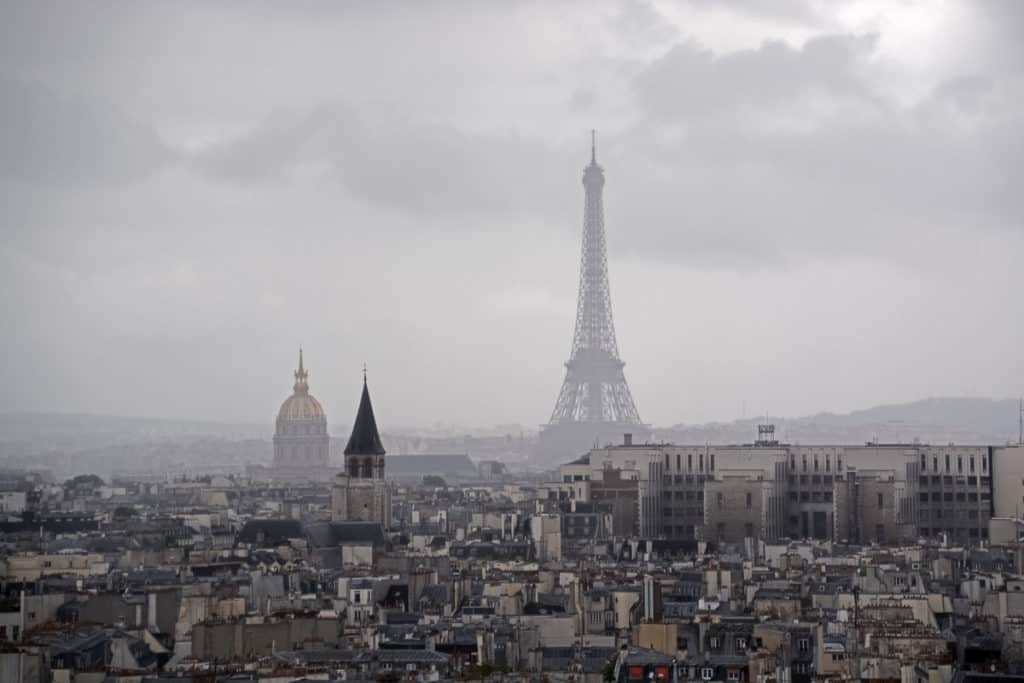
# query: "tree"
{"type": "Point", "coordinates": [609, 671]}
{"type": "Point", "coordinates": [84, 480]}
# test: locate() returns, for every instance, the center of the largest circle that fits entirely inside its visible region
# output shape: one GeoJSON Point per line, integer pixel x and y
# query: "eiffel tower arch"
{"type": "Point", "coordinates": [594, 404]}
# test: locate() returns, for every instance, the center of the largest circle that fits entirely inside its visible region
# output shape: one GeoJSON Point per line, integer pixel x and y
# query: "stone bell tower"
{"type": "Point", "coordinates": [360, 493]}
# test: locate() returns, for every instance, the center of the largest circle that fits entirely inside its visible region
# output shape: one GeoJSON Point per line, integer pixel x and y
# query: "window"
{"type": "Point", "coordinates": [732, 675]}
{"type": "Point", "coordinates": [741, 643]}
{"type": "Point", "coordinates": [947, 462]}
{"type": "Point", "coordinates": [972, 465]}
{"type": "Point", "coordinates": [792, 462]}
{"type": "Point", "coordinates": [881, 502]}
{"type": "Point", "coordinates": [815, 462]}
{"type": "Point", "coordinates": [678, 462]}
{"type": "Point", "coordinates": [984, 464]}
{"type": "Point", "coordinates": [804, 458]}
{"type": "Point", "coordinates": [959, 464]}
{"type": "Point", "coordinates": [935, 463]}
{"type": "Point", "coordinates": [707, 674]}
{"type": "Point", "coordinates": [828, 463]}
{"type": "Point", "coordinates": [714, 642]}
{"type": "Point", "coordinates": [750, 500]}
{"type": "Point", "coordinates": [803, 645]}
{"type": "Point", "coordinates": [748, 530]}
{"type": "Point", "coordinates": [711, 463]}
{"type": "Point", "coordinates": [700, 462]}
{"type": "Point", "coordinates": [721, 498]}
{"type": "Point", "coordinates": [689, 462]}
{"type": "Point", "coordinates": [924, 462]}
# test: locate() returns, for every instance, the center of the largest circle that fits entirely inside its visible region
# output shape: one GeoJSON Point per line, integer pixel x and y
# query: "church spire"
{"type": "Point", "coordinates": [365, 439]}
{"type": "Point", "coordinates": [301, 385]}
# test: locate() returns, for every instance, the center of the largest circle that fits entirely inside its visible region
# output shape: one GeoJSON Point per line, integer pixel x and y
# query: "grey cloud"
{"type": "Point", "coordinates": [745, 164]}
{"type": "Point", "coordinates": [386, 159]}
{"type": "Point", "coordinates": [49, 139]}
{"type": "Point", "coordinates": [692, 81]}
{"type": "Point", "coordinates": [420, 179]}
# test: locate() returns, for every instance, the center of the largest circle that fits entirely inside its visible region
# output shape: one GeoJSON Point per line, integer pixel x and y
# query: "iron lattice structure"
{"type": "Point", "coordinates": [595, 389]}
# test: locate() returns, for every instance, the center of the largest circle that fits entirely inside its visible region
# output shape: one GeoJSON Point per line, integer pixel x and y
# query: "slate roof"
{"type": "Point", "coordinates": [274, 531]}
{"type": "Point", "coordinates": [326, 535]}
{"type": "Point", "coordinates": [365, 439]}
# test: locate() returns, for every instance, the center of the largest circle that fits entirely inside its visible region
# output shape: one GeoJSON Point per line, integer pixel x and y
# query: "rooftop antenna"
{"type": "Point", "coordinates": [593, 146]}
{"type": "Point", "coordinates": [1020, 424]}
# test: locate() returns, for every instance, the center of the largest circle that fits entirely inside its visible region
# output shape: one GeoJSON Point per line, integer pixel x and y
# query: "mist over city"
{"type": "Point", "coordinates": [606, 341]}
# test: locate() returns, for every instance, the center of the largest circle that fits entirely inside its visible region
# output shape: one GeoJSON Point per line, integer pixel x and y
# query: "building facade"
{"type": "Point", "coordinates": [856, 494]}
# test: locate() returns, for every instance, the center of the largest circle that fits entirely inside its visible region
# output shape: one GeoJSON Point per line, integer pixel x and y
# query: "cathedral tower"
{"type": "Point", "coordinates": [360, 492]}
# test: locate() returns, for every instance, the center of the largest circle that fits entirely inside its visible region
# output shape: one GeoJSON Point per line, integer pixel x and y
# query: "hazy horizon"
{"type": "Point", "coordinates": [811, 206]}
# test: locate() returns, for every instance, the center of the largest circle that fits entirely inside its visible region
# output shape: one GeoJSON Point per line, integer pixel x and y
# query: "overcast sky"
{"type": "Point", "coordinates": [810, 205]}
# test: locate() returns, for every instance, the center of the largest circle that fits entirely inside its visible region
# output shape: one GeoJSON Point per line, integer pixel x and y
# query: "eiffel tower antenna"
{"type": "Point", "coordinates": [595, 401]}
{"type": "Point", "coordinates": [1020, 424]}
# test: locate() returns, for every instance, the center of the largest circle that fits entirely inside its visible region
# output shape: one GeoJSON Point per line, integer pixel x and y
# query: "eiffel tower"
{"type": "Point", "coordinates": [595, 404]}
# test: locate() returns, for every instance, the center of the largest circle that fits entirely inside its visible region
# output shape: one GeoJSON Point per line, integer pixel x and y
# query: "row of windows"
{"type": "Point", "coordinates": [973, 532]}
{"type": "Point", "coordinates": [949, 497]}
{"type": "Point", "coordinates": [948, 462]}
{"type": "Point", "coordinates": [697, 513]}
{"type": "Point", "coordinates": [949, 514]}
{"type": "Point", "coordinates": [689, 462]}
{"type": "Point", "coordinates": [816, 462]}
{"type": "Point", "coordinates": [811, 497]}
{"type": "Point", "coordinates": [952, 481]}
{"type": "Point", "coordinates": [680, 495]}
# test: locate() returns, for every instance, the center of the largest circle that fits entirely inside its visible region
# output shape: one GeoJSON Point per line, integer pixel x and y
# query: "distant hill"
{"type": "Point", "coordinates": [82, 443]}
{"type": "Point", "coordinates": [932, 420]}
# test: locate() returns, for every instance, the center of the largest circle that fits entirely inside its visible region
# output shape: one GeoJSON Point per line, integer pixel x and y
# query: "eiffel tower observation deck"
{"type": "Point", "coordinates": [594, 406]}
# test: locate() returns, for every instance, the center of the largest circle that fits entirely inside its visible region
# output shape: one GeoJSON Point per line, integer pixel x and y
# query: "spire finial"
{"type": "Point", "coordinates": [364, 374]}
{"type": "Point", "coordinates": [300, 376]}
{"type": "Point", "coordinates": [593, 146]}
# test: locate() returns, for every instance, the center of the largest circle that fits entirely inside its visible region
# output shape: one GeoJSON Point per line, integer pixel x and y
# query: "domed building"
{"type": "Point", "coordinates": [301, 439]}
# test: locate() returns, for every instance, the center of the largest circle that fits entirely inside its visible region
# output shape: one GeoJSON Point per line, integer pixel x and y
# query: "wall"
{"type": "Point", "coordinates": [1008, 482]}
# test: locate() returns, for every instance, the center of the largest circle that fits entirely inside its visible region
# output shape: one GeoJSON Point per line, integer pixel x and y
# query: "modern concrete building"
{"type": "Point", "coordinates": [848, 493]}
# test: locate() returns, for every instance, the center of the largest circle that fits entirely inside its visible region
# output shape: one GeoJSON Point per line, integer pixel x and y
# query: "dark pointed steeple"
{"type": "Point", "coordinates": [365, 439]}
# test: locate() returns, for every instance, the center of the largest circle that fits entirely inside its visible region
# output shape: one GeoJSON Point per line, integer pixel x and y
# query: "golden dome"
{"type": "Point", "coordinates": [300, 405]}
